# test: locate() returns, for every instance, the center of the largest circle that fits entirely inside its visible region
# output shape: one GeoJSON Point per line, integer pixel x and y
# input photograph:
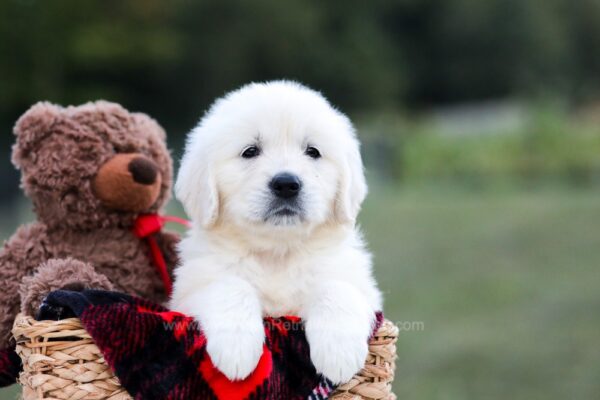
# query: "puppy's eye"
{"type": "Point", "coordinates": [251, 152]}
{"type": "Point", "coordinates": [312, 152]}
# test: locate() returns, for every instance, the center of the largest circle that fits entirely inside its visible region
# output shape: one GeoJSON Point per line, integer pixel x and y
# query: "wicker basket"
{"type": "Point", "coordinates": [374, 381]}
{"type": "Point", "coordinates": [61, 361]}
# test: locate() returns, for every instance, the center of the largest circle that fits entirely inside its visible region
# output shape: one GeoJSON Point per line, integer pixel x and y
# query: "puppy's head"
{"type": "Point", "coordinates": [272, 155]}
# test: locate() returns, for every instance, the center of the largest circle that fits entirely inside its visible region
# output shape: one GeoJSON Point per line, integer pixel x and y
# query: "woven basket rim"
{"type": "Point", "coordinates": [50, 348]}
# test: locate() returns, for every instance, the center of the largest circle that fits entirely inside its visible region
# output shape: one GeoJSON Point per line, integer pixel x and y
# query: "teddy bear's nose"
{"type": "Point", "coordinates": [143, 170]}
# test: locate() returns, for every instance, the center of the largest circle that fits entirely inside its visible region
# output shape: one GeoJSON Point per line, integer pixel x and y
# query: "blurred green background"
{"type": "Point", "coordinates": [480, 123]}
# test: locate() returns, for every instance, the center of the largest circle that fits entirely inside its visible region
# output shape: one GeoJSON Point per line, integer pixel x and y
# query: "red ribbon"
{"type": "Point", "coordinates": [144, 227]}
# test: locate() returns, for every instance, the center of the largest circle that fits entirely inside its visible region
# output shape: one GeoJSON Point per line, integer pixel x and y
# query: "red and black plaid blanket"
{"type": "Point", "coordinates": [161, 354]}
{"type": "Point", "coordinates": [10, 365]}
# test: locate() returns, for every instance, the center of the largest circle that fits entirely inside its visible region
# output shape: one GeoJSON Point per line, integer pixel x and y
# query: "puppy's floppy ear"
{"type": "Point", "coordinates": [352, 186]}
{"type": "Point", "coordinates": [196, 186]}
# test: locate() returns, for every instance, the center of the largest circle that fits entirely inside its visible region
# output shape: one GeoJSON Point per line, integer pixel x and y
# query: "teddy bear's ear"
{"type": "Point", "coordinates": [32, 127]}
{"type": "Point", "coordinates": [149, 124]}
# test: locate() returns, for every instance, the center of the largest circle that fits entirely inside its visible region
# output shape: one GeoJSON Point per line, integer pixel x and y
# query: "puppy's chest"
{"type": "Point", "coordinates": [281, 292]}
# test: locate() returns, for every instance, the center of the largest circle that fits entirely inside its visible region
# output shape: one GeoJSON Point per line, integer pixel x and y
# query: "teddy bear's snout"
{"type": "Point", "coordinates": [128, 182]}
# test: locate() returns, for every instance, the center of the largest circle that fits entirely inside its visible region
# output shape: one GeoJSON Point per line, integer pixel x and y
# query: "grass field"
{"type": "Point", "coordinates": [498, 292]}
{"type": "Point", "coordinates": [507, 285]}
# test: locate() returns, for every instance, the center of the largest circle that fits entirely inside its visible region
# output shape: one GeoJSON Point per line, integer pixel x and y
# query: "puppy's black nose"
{"type": "Point", "coordinates": [143, 170]}
{"type": "Point", "coordinates": [285, 185]}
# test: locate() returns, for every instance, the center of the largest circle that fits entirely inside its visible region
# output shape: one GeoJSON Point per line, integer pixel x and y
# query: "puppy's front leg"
{"type": "Point", "coordinates": [230, 315]}
{"type": "Point", "coordinates": [338, 324]}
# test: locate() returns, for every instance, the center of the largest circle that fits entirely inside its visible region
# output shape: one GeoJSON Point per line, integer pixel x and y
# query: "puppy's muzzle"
{"type": "Point", "coordinates": [285, 186]}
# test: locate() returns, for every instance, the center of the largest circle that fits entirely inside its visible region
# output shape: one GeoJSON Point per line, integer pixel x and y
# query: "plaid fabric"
{"type": "Point", "coordinates": [323, 390]}
{"type": "Point", "coordinates": [161, 354]}
{"type": "Point", "coordinates": [10, 365]}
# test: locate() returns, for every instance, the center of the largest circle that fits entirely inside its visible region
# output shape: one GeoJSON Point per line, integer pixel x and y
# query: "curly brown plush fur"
{"type": "Point", "coordinates": [57, 274]}
{"type": "Point", "coordinates": [82, 237]}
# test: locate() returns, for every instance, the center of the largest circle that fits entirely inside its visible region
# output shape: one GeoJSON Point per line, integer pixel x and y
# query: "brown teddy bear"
{"type": "Point", "coordinates": [90, 172]}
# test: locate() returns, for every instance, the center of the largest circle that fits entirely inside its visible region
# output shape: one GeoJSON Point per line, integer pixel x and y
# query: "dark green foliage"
{"type": "Point", "coordinates": [546, 146]}
{"type": "Point", "coordinates": [172, 58]}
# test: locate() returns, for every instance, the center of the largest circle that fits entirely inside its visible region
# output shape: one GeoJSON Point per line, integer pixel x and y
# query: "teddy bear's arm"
{"type": "Point", "coordinates": [19, 257]}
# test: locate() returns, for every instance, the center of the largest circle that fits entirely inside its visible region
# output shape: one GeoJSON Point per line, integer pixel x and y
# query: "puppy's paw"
{"type": "Point", "coordinates": [337, 354]}
{"type": "Point", "coordinates": [236, 354]}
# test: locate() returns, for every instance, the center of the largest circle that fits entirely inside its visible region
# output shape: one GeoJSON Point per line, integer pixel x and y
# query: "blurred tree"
{"type": "Point", "coordinates": [171, 59]}
{"type": "Point", "coordinates": [464, 50]}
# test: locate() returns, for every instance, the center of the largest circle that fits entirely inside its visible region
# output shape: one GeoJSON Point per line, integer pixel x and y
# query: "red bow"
{"type": "Point", "coordinates": [144, 227]}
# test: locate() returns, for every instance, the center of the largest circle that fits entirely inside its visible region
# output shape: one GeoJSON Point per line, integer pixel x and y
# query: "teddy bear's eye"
{"type": "Point", "coordinates": [251, 152]}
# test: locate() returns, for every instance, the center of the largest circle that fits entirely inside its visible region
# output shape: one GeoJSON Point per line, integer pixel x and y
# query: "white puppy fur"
{"type": "Point", "coordinates": [251, 253]}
